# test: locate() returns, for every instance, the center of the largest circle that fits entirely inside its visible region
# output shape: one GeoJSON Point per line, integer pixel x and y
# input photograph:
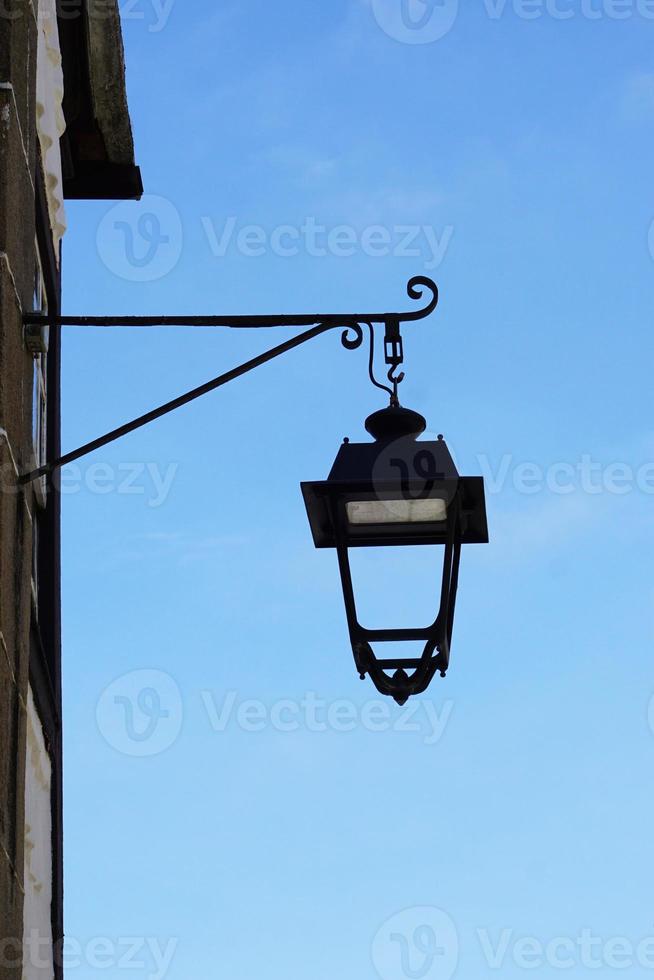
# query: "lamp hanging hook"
{"type": "Point", "coordinates": [371, 367]}
{"type": "Point", "coordinates": [394, 354]}
{"type": "Point", "coordinates": [395, 381]}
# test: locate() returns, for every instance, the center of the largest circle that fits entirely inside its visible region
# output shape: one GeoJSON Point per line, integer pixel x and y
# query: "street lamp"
{"type": "Point", "coordinates": [395, 491]}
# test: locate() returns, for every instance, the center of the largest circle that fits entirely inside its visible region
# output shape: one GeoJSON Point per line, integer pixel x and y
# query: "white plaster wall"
{"type": "Point", "coordinates": [50, 122]}
{"type": "Point", "coordinates": [37, 924]}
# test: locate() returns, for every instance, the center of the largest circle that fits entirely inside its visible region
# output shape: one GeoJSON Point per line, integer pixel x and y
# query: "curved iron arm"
{"type": "Point", "coordinates": [348, 323]}
{"type": "Point", "coordinates": [415, 288]}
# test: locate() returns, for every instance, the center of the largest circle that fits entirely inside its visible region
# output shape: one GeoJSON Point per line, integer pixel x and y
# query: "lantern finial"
{"type": "Point", "coordinates": [395, 422]}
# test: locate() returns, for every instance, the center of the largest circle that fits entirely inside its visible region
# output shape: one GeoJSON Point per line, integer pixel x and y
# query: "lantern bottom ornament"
{"type": "Point", "coordinates": [398, 491]}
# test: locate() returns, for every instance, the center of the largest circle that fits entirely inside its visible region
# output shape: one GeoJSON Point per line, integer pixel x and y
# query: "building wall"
{"type": "Point", "coordinates": [38, 962]}
{"type": "Point", "coordinates": [29, 719]}
{"type": "Point", "coordinates": [42, 109]}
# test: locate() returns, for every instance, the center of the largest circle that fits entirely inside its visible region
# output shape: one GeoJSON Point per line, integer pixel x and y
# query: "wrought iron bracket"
{"type": "Point", "coordinates": [319, 323]}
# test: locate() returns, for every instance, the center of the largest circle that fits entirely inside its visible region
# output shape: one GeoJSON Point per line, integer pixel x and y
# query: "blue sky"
{"type": "Point", "coordinates": [515, 796]}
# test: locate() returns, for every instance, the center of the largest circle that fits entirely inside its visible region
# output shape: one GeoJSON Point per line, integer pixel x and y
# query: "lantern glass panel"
{"type": "Point", "coordinates": [396, 511]}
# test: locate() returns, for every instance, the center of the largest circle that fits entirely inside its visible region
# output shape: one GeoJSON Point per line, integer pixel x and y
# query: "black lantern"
{"type": "Point", "coordinates": [398, 491]}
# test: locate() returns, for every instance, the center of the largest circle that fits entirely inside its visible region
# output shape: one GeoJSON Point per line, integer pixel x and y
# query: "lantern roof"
{"type": "Point", "coordinates": [396, 467]}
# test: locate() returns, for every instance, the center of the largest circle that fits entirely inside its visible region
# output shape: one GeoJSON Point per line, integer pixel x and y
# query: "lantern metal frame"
{"type": "Point", "coordinates": [363, 472]}
{"type": "Point", "coordinates": [437, 636]}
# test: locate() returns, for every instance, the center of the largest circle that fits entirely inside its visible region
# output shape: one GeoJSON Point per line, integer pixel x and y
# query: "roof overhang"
{"type": "Point", "coordinates": [97, 146]}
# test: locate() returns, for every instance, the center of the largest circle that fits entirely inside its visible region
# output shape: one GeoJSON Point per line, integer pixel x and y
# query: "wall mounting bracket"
{"type": "Point", "coordinates": [318, 323]}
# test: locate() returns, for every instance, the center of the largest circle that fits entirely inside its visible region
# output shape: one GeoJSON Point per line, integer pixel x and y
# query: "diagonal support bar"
{"type": "Point", "coordinates": [184, 399]}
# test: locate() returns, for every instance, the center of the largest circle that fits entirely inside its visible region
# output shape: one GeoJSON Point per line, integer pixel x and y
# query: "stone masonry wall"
{"type": "Point", "coordinates": [18, 148]}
